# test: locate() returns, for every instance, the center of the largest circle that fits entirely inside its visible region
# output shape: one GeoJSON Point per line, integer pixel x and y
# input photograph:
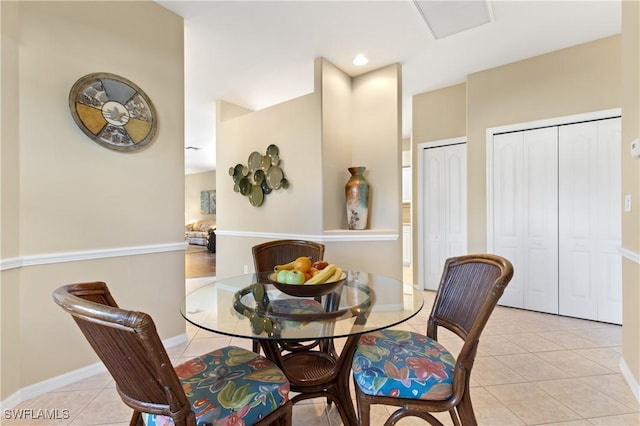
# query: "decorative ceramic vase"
{"type": "Point", "coordinates": [357, 194]}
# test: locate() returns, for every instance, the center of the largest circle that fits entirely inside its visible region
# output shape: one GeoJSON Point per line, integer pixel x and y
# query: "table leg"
{"type": "Point", "coordinates": [346, 408]}
{"type": "Point", "coordinates": [316, 374]}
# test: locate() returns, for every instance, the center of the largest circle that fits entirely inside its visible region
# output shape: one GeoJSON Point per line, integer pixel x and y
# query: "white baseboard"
{"type": "Point", "coordinates": [66, 379]}
{"type": "Point", "coordinates": [631, 381]}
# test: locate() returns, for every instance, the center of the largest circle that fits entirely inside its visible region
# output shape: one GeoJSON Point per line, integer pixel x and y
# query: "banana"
{"type": "Point", "coordinates": [323, 275]}
{"type": "Point", "coordinates": [284, 267]}
{"type": "Point", "coordinates": [336, 275]}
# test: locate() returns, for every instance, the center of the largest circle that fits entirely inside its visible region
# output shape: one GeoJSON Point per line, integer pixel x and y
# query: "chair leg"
{"type": "Point", "coordinates": [287, 418]}
{"type": "Point", "coordinates": [363, 406]}
{"type": "Point", "coordinates": [454, 417]}
{"type": "Point", "coordinates": [465, 411]}
{"type": "Point", "coordinates": [136, 419]}
{"type": "Point", "coordinates": [256, 346]}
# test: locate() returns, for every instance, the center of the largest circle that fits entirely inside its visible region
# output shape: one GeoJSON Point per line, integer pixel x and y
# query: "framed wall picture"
{"type": "Point", "coordinates": [208, 202]}
{"type": "Point", "coordinates": [113, 111]}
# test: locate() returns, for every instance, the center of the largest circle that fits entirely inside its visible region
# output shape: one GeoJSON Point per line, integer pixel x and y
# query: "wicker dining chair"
{"type": "Point", "coordinates": [271, 253]}
{"type": "Point", "coordinates": [416, 373]}
{"type": "Point", "coordinates": [226, 384]}
{"type": "Point", "coordinates": [267, 255]}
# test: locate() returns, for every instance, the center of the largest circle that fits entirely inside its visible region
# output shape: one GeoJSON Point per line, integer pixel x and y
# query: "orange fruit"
{"type": "Point", "coordinates": [302, 264]}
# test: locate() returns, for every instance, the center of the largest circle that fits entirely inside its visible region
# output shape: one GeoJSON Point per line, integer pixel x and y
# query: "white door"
{"type": "Point", "coordinates": [507, 208]}
{"type": "Point", "coordinates": [445, 208]}
{"type": "Point", "coordinates": [406, 245]}
{"type": "Point", "coordinates": [525, 218]}
{"type": "Point", "coordinates": [590, 273]}
{"type": "Point", "coordinates": [540, 219]}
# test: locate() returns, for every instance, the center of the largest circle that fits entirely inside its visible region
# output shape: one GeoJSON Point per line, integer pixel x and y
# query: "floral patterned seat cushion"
{"type": "Point", "coordinates": [295, 306]}
{"type": "Point", "coordinates": [230, 385]}
{"type": "Point", "coordinates": [403, 364]}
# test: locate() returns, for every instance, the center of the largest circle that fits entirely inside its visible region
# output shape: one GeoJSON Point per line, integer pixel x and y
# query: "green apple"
{"type": "Point", "coordinates": [295, 277]}
{"type": "Point", "coordinates": [282, 276]}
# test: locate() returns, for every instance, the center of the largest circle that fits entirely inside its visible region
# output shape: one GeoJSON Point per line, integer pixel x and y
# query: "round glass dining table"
{"type": "Point", "coordinates": [297, 333]}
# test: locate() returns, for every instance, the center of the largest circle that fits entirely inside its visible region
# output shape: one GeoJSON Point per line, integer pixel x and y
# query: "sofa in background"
{"type": "Point", "coordinates": [199, 232]}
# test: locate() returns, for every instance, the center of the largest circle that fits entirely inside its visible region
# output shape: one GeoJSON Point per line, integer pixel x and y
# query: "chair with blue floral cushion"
{"type": "Point", "coordinates": [415, 372]}
{"type": "Point", "coordinates": [229, 385]}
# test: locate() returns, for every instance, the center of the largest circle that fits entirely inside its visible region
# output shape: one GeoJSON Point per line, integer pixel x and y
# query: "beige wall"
{"type": "Point", "coordinates": [359, 128]}
{"type": "Point", "coordinates": [594, 76]}
{"type": "Point", "coordinates": [9, 199]}
{"type": "Point", "coordinates": [193, 184]}
{"type": "Point", "coordinates": [140, 283]}
{"type": "Point", "coordinates": [377, 144]}
{"type": "Point", "coordinates": [579, 79]}
{"type": "Point", "coordinates": [65, 198]}
{"type": "Point", "coordinates": [631, 185]}
{"type": "Point", "coordinates": [437, 115]}
{"type": "Point", "coordinates": [335, 88]}
{"type": "Point", "coordinates": [9, 130]}
{"type": "Point", "coordinates": [576, 80]}
{"type": "Point", "coordinates": [293, 126]}
{"type": "Point", "coordinates": [319, 136]}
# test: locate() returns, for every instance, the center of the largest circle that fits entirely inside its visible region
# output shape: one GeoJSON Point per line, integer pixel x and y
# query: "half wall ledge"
{"type": "Point", "coordinates": [327, 236]}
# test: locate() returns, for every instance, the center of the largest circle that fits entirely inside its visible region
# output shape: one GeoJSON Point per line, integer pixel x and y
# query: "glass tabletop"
{"type": "Point", "coordinates": [250, 306]}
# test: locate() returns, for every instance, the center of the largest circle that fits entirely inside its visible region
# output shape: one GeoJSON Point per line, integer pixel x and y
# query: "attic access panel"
{"type": "Point", "coordinates": [445, 18]}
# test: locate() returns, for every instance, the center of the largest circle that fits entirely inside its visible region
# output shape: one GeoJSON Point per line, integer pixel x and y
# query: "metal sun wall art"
{"type": "Point", "coordinates": [262, 175]}
{"type": "Point", "coordinates": [113, 111]}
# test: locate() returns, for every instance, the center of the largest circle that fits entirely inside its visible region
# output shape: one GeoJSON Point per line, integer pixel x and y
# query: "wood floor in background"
{"type": "Point", "coordinates": [199, 263]}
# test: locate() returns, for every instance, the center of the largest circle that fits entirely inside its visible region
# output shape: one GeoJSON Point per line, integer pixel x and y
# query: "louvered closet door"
{"type": "Point", "coordinates": [525, 220]}
{"type": "Point", "coordinates": [590, 213]}
{"type": "Point", "coordinates": [445, 201]}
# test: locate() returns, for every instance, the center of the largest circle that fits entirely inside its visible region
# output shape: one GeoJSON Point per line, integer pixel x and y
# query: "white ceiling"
{"type": "Point", "coordinates": [260, 53]}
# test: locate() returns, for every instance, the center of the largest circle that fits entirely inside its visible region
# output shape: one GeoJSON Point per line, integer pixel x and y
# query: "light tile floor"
{"type": "Point", "coordinates": [531, 369]}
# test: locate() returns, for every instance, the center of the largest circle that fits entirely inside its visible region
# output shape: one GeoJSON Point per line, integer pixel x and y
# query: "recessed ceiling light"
{"type": "Point", "coordinates": [360, 60]}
